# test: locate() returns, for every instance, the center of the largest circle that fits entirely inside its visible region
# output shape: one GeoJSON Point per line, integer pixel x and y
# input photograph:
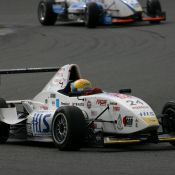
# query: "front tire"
{"type": "Point", "coordinates": [68, 128]}
{"type": "Point", "coordinates": [46, 16]}
{"type": "Point", "coordinates": [4, 128]}
{"type": "Point", "coordinates": [154, 9]}
{"type": "Point", "coordinates": [168, 121]}
{"type": "Point", "coordinates": [92, 15]}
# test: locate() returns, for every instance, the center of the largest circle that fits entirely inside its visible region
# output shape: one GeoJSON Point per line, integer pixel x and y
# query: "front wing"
{"type": "Point", "coordinates": [157, 139]}
{"type": "Point", "coordinates": [112, 20]}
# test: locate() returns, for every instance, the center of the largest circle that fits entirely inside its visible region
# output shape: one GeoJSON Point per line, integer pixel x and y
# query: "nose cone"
{"type": "Point", "coordinates": [135, 110]}
{"type": "Point", "coordinates": [142, 111]}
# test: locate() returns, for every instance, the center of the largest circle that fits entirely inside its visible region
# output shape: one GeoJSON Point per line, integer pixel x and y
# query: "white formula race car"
{"type": "Point", "coordinates": [73, 120]}
{"type": "Point", "coordinates": [99, 12]}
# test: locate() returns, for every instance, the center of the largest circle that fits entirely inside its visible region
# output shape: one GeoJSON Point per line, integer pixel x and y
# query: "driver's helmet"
{"type": "Point", "coordinates": [81, 85]}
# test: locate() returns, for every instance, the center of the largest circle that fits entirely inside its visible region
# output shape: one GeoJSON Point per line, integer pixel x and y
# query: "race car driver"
{"type": "Point", "coordinates": [83, 87]}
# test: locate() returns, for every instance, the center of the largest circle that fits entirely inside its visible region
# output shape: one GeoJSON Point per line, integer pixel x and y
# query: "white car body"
{"type": "Point", "coordinates": [113, 8]}
{"type": "Point", "coordinates": [116, 8]}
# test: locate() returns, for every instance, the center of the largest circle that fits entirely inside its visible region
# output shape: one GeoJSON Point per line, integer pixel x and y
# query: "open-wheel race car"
{"type": "Point", "coordinates": [99, 12]}
{"type": "Point", "coordinates": [73, 118]}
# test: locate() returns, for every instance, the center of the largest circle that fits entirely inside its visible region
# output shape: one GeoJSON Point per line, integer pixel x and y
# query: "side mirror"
{"type": "Point", "coordinates": [125, 91]}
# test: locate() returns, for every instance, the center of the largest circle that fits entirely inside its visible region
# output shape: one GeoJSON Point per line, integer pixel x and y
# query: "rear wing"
{"type": "Point", "coordinates": [28, 70]}
{"type": "Point", "coordinates": [9, 115]}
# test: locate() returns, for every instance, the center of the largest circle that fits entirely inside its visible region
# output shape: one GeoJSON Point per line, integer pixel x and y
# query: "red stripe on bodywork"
{"type": "Point", "coordinates": [122, 20]}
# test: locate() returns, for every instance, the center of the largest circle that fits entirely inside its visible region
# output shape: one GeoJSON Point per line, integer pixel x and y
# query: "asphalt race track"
{"type": "Point", "coordinates": [140, 57]}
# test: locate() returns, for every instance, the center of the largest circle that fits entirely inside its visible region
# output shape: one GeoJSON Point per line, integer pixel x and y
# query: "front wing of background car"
{"type": "Point", "coordinates": [108, 20]}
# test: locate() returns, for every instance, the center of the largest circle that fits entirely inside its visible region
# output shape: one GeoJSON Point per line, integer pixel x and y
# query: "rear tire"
{"type": "Point", "coordinates": [46, 16]}
{"type": "Point", "coordinates": [4, 128]}
{"type": "Point", "coordinates": [168, 122]}
{"type": "Point", "coordinates": [68, 128]}
{"type": "Point", "coordinates": [153, 8]}
{"type": "Point", "coordinates": [92, 15]}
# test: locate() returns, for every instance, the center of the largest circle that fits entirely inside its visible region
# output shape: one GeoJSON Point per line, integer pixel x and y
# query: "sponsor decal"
{"type": "Point", "coordinates": [57, 103]}
{"type": "Point", "coordinates": [137, 104]}
{"type": "Point", "coordinates": [65, 104]}
{"type": "Point", "coordinates": [128, 121]}
{"type": "Point", "coordinates": [121, 96]}
{"type": "Point", "coordinates": [53, 103]}
{"type": "Point", "coordinates": [134, 102]}
{"type": "Point", "coordinates": [89, 104]}
{"type": "Point", "coordinates": [116, 108]}
{"type": "Point", "coordinates": [44, 107]}
{"type": "Point", "coordinates": [59, 82]}
{"type": "Point", "coordinates": [101, 102]}
{"type": "Point", "coordinates": [52, 95]}
{"type": "Point", "coordinates": [78, 104]}
{"type": "Point", "coordinates": [113, 103]}
{"type": "Point", "coordinates": [119, 122]}
{"type": "Point", "coordinates": [136, 123]}
{"type": "Point", "coordinates": [151, 120]}
{"type": "Point", "coordinates": [93, 113]}
{"type": "Point", "coordinates": [40, 123]}
{"type": "Point", "coordinates": [144, 114]}
{"type": "Point", "coordinates": [140, 107]}
{"type": "Point", "coordinates": [29, 129]}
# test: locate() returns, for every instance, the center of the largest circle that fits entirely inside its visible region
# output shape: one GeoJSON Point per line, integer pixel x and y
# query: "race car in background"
{"type": "Point", "coordinates": [73, 120]}
{"type": "Point", "coordinates": [99, 12]}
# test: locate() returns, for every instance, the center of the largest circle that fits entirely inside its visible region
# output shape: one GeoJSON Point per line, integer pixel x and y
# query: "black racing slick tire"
{"type": "Point", "coordinates": [46, 16]}
{"type": "Point", "coordinates": [153, 8]}
{"type": "Point", "coordinates": [4, 128]}
{"type": "Point", "coordinates": [92, 15]}
{"type": "Point", "coordinates": [168, 121]}
{"type": "Point", "coordinates": [68, 128]}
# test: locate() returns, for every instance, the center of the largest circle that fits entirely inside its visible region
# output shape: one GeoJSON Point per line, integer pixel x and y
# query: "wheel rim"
{"type": "Point", "coordinates": [60, 128]}
{"type": "Point", "coordinates": [42, 11]}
